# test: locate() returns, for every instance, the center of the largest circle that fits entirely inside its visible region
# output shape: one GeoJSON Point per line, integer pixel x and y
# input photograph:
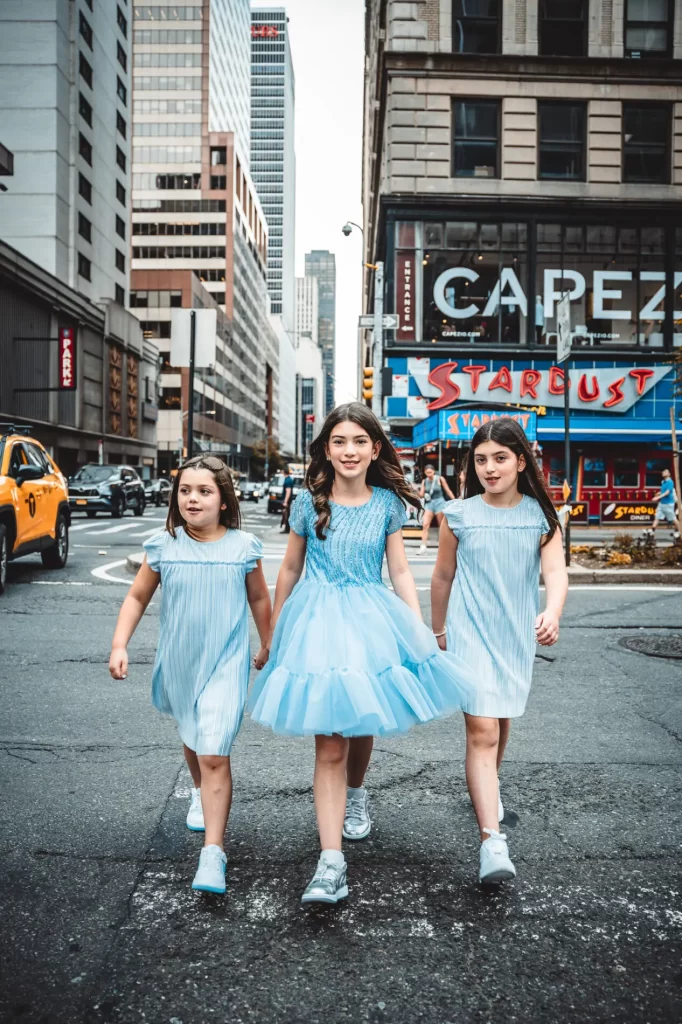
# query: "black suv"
{"type": "Point", "coordinates": [112, 489]}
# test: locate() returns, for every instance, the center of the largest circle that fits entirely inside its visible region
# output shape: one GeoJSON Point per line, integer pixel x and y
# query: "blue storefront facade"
{"type": "Point", "coordinates": [477, 292]}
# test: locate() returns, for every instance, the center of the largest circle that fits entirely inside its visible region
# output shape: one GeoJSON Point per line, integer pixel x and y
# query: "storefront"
{"type": "Point", "coordinates": [477, 299]}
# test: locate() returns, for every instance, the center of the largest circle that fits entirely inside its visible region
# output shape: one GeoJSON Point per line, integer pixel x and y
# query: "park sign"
{"type": "Point", "coordinates": [67, 359]}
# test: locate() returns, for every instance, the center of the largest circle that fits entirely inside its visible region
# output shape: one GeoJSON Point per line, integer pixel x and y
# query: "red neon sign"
{"type": "Point", "coordinates": [67, 359]}
{"type": "Point", "coordinates": [264, 31]}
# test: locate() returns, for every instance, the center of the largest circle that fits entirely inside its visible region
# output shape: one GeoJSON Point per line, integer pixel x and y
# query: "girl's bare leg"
{"type": "Point", "coordinates": [359, 754]}
{"type": "Point", "coordinates": [505, 727]}
{"type": "Point", "coordinates": [216, 797]}
{"type": "Point", "coordinates": [483, 736]}
{"type": "Point", "coordinates": [428, 519]}
{"type": "Point", "coordinates": [193, 765]}
{"type": "Point", "coordinates": [329, 788]}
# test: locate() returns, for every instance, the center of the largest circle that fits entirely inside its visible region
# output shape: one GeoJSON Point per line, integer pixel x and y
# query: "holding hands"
{"type": "Point", "coordinates": [261, 659]}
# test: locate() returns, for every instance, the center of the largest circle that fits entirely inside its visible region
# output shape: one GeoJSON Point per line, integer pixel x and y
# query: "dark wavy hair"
{"type": "Point", "coordinates": [385, 471]}
{"type": "Point", "coordinates": [508, 433]}
{"type": "Point", "coordinates": [229, 516]}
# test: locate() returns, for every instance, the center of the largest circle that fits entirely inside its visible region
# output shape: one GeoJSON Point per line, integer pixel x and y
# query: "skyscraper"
{"type": "Point", "coordinates": [190, 179]}
{"type": "Point", "coordinates": [273, 161]}
{"type": "Point", "coordinates": [65, 84]}
{"type": "Point", "coordinates": [321, 263]}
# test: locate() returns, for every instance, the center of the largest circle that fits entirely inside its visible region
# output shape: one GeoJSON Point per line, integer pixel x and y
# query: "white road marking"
{"type": "Point", "coordinates": [102, 572]}
{"type": "Point", "coordinates": [117, 529]}
{"type": "Point", "coordinates": [145, 533]}
{"type": "Point", "coordinates": [60, 583]}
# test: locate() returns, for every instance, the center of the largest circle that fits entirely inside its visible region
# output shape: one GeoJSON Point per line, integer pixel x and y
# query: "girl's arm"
{"type": "Point", "coordinates": [441, 581]}
{"type": "Point", "coordinates": [556, 585]}
{"type": "Point", "coordinates": [446, 487]}
{"type": "Point", "coordinates": [258, 596]}
{"type": "Point", "coordinates": [287, 578]}
{"type": "Point", "coordinates": [421, 489]}
{"type": "Point", "coordinates": [132, 610]}
{"type": "Point", "coordinates": [399, 572]}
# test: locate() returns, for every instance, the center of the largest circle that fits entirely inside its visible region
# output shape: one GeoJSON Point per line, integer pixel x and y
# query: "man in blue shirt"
{"type": "Point", "coordinates": [665, 513]}
{"type": "Point", "coordinates": [287, 496]}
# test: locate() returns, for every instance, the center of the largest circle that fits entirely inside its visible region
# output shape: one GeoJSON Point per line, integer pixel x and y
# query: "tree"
{"type": "Point", "coordinates": [276, 463]}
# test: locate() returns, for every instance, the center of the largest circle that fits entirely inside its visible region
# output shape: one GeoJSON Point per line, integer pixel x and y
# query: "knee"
{"type": "Point", "coordinates": [484, 734]}
{"type": "Point", "coordinates": [332, 751]}
{"type": "Point", "coordinates": [214, 765]}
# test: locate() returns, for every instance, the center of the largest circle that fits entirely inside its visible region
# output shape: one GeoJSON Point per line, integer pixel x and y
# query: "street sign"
{"type": "Point", "coordinates": [67, 359]}
{"type": "Point", "coordinates": [389, 321]}
{"type": "Point", "coordinates": [563, 328]}
{"type": "Point", "coordinates": [206, 326]}
{"type": "Point", "coordinates": [566, 490]}
{"type": "Point", "coordinates": [310, 418]}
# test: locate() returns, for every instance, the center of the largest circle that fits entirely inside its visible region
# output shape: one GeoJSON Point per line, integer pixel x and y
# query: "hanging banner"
{"type": "Point", "coordinates": [67, 359]}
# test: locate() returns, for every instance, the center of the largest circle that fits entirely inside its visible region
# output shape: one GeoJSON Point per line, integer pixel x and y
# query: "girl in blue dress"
{"type": "Point", "coordinates": [209, 570]}
{"type": "Point", "coordinates": [349, 659]}
{"type": "Point", "coordinates": [492, 544]}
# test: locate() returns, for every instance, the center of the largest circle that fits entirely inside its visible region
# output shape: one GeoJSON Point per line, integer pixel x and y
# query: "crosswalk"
{"type": "Point", "coordinates": [137, 528]}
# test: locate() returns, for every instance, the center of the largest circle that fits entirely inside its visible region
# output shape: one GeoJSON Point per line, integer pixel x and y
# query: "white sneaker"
{"type": "Point", "coordinates": [210, 876]}
{"type": "Point", "coordinates": [195, 814]}
{"type": "Point", "coordinates": [422, 549]}
{"type": "Point", "coordinates": [356, 823]}
{"type": "Point", "coordinates": [496, 865]}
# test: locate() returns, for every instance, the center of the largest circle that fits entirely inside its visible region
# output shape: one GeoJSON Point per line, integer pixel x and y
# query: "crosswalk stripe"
{"type": "Point", "coordinates": [116, 529]}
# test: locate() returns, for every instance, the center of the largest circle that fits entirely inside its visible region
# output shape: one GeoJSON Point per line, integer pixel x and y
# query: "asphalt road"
{"type": "Point", "coordinates": [98, 920]}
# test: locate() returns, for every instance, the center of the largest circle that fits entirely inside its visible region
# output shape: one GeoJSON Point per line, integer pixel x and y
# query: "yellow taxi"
{"type": "Point", "coordinates": [34, 502]}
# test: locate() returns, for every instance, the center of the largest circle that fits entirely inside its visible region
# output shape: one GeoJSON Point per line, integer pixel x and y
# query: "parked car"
{"type": "Point", "coordinates": [252, 491]}
{"type": "Point", "coordinates": [157, 492]}
{"type": "Point", "coordinates": [276, 491]}
{"type": "Point", "coordinates": [111, 489]}
{"type": "Point", "coordinates": [34, 503]}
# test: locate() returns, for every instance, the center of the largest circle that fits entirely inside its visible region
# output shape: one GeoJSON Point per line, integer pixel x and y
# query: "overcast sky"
{"type": "Point", "coordinates": [327, 43]}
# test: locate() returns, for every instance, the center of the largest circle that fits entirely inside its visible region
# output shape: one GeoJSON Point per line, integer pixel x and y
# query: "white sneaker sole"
{"type": "Point", "coordinates": [498, 875]}
{"type": "Point", "coordinates": [340, 894]}
{"type": "Point", "coordinates": [198, 887]}
{"type": "Point", "coordinates": [358, 836]}
{"type": "Point", "coordinates": [195, 828]}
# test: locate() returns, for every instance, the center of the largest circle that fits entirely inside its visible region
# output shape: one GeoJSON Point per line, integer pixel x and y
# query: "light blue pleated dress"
{"type": "Point", "coordinates": [494, 600]}
{"type": "Point", "coordinates": [201, 673]}
{"type": "Point", "coordinates": [348, 656]}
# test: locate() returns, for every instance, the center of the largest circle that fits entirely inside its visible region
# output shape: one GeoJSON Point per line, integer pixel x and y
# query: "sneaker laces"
{"type": "Point", "coordinates": [325, 872]}
{"type": "Point", "coordinates": [355, 808]}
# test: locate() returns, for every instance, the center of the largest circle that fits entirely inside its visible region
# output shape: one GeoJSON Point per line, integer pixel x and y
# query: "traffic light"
{"type": "Point", "coordinates": [368, 382]}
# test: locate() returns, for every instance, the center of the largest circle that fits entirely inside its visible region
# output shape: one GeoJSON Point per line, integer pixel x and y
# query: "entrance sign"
{"type": "Point", "coordinates": [67, 359]}
{"type": "Point", "coordinates": [627, 513]}
{"type": "Point", "coordinates": [563, 328]}
{"type": "Point", "coordinates": [206, 326]}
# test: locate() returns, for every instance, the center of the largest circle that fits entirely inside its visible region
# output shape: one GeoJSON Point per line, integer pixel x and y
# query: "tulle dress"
{"type": "Point", "coordinates": [348, 656]}
{"type": "Point", "coordinates": [201, 673]}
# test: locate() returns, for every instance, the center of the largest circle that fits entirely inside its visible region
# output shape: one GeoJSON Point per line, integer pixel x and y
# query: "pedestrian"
{"type": "Point", "coordinates": [666, 498]}
{"type": "Point", "coordinates": [349, 659]}
{"type": "Point", "coordinates": [287, 498]}
{"type": "Point", "coordinates": [432, 491]}
{"type": "Point", "coordinates": [492, 545]}
{"type": "Point", "coordinates": [209, 569]}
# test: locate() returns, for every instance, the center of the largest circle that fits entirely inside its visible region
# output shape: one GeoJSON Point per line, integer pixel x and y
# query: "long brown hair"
{"type": "Point", "coordinates": [385, 471]}
{"type": "Point", "coordinates": [229, 516]}
{"type": "Point", "coordinates": [507, 432]}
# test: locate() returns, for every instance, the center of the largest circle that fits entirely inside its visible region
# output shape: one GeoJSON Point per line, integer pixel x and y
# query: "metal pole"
{"type": "Point", "coordinates": [567, 453]}
{"type": "Point", "coordinates": [190, 408]}
{"type": "Point", "coordinates": [676, 468]}
{"type": "Point", "coordinates": [378, 354]}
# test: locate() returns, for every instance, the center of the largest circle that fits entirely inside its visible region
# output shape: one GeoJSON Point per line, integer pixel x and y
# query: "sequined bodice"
{"type": "Point", "coordinates": [352, 552]}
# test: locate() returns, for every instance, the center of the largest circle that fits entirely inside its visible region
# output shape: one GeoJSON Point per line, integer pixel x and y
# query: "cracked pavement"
{"type": "Point", "coordinates": [99, 921]}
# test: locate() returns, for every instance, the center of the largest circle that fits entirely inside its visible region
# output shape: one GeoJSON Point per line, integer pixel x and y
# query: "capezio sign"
{"type": "Point", "coordinates": [614, 389]}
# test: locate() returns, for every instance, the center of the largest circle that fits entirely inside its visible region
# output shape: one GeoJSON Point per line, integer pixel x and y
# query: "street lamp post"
{"type": "Point", "coordinates": [378, 338]}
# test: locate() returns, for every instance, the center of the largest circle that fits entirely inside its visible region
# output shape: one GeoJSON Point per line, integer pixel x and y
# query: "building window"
{"type": "Point", "coordinates": [594, 472]}
{"type": "Point", "coordinates": [85, 188]}
{"type": "Point", "coordinates": [562, 141]}
{"type": "Point", "coordinates": [646, 143]}
{"type": "Point", "coordinates": [120, 158]}
{"type": "Point", "coordinates": [120, 193]}
{"type": "Point", "coordinates": [121, 125]}
{"type": "Point", "coordinates": [648, 28]}
{"type": "Point", "coordinates": [84, 148]}
{"type": "Point", "coordinates": [120, 295]}
{"type": "Point", "coordinates": [218, 182]}
{"type": "Point", "coordinates": [562, 28]}
{"type": "Point", "coordinates": [654, 468]}
{"type": "Point", "coordinates": [120, 261]}
{"type": "Point", "coordinates": [89, 3]}
{"type": "Point", "coordinates": [476, 138]}
{"type": "Point", "coordinates": [121, 21]}
{"type": "Point", "coordinates": [121, 92]}
{"type": "Point", "coordinates": [476, 26]}
{"type": "Point", "coordinates": [84, 109]}
{"type": "Point", "coordinates": [85, 30]}
{"type": "Point", "coordinates": [625, 473]}
{"type": "Point", "coordinates": [218, 156]}
{"type": "Point", "coordinates": [121, 55]}
{"type": "Point", "coordinates": [120, 226]}
{"type": "Point", "coordinates": [84, 227]}
{"type": "Point", "coordinates": [84, 267]}
{"type": "Point", "coordinates": [85, 70]}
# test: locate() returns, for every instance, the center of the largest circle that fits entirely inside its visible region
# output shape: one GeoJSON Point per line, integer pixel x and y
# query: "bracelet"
{"type": "Point", "coordinates": [442, 633]}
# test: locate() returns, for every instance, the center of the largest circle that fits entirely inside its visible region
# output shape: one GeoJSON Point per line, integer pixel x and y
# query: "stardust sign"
{"type": "Point", "coordinates": [67, 359]}
{"type": "Point", "coordinates": [613, 389]}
